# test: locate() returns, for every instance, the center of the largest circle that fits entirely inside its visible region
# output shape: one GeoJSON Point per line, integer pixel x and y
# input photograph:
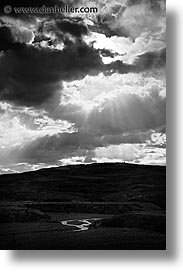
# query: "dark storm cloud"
{"type": "Point", "coordinates": [103, 28]}
{"type": "Point", "coordinates": [65, 31]}
{"type": "Point", "coordinates": [30, 75]}
{"type": "Point", "coordinates": [119, 67]}
{"type": "Point", "coordinates": [72, 27]}
{"type": "Point", "coordinates": [107, 53]}
{"type": "Point", "coordinates": [6, 38]}
{"type": "Point", "coordinates": [148, 60]}
{"type": "Point", "coordinates": [11, 36]}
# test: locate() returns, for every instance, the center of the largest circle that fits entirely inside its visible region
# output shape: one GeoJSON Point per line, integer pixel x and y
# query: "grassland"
{"type": "Point", "coordinates": [129, 199]}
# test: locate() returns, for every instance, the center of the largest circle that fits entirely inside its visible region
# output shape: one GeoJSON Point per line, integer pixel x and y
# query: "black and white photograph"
{"type": "Point", "coordinates": [83, 125]}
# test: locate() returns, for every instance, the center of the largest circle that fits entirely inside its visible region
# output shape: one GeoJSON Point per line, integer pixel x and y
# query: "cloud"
{"type": "Point", "coordinates": [72, 27]}
{"type": "Point", "coordinates": [54, 150]}
{"type": "Point", "coordinates": [6, 38]}
{"type": "Point", "coordinates": [114, 104]}
{"type": "Point", "coordinates": [48, 149]}
{"type": "Point", "coordinates": [148, 60]}
{"type": "Point", "coordinates": [129, 112]}
{"type": "Point", "coordinates": [123, 152]}
{"type": "Point", "coordinates": [30, 75]}
{"type": "Point", "coordinates": [127, 18]}
{"type": "Point", "coordinates": [143, 62]}
{"type": "Point", "coordinates": [142, 25]}
{"type": "Point", "coordinates": [133, 153]}
{"type": "Point", "coordinates": [19, 127]}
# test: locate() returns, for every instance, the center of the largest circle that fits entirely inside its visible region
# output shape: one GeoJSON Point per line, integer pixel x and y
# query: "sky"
{"type": "Point", "coordinates": [83, 88]}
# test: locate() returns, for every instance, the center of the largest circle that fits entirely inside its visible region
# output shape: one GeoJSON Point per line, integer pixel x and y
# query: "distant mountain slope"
{"type": "Point", "coordinates": [108, 182]}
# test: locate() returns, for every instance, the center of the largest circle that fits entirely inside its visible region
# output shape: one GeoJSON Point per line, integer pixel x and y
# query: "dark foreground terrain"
{"type": "Point", "coordinates": [96, 206]}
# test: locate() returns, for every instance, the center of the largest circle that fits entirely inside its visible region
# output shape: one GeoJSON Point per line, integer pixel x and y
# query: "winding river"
{"type": "Point", "coordinates": [80, 225]}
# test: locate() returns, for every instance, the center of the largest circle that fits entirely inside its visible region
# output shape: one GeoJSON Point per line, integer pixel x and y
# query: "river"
{"type": "Point", "coordinates": [80, 225]}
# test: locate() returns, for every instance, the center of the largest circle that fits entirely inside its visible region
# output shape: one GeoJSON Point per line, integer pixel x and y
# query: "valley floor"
{"type": "Point", "coordinates": [53, 235]}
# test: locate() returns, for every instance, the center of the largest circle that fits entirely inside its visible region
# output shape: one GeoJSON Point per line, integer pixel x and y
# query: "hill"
{"type": "Point", "coordinates": [108, 182]}
{"type": "Point", "coordinates": [118, 205]}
